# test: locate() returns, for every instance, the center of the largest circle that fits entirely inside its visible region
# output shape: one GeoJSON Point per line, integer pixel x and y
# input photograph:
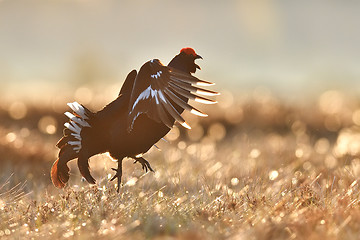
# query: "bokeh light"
{"type": "Point", "coordinates": [273, 175]}
{"type": "Point", "coordinates": [17, 110]}
{"type": "Point", "coordinates": [47, 124]}
{"type": "Point", "coordinates": [278, 157]}
{"type": "Point", "coordinates": [217, 131]}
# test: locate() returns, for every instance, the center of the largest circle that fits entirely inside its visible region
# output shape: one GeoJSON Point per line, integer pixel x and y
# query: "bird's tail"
{"type": "Point", "coordinates": [70, 143]}
{"type": "Point", "coordinates": [59, 174]}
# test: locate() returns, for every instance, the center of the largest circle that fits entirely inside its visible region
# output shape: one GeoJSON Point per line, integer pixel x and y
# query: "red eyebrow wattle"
{"type": "Point", "coordinates": [188, 51]}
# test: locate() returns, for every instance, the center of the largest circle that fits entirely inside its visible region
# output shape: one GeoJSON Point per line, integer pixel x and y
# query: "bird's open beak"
{"type": "Point", "coordinates": [197, 66]}
{"type": "Point", "coordinates": [198, 56]}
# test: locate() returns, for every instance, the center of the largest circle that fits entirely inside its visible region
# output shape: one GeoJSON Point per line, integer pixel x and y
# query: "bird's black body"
{"type": "Point", "coordinates": [148, 104]}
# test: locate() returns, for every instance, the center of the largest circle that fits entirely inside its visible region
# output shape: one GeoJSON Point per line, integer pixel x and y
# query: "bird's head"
{"type": "Point", "coordinates": [185, 60]}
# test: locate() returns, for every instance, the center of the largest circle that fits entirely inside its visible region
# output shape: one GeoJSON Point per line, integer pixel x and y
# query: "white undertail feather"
{"type": "Point", "coordinates": [78, 129]}
{"type": "Point", "coordinates": [72, 128]}
{"type": "Point", "coordinates": [76, 135]}
{"type": "Point", "coordinates": [76, 123]}
{"type": "Point", "coordinates": [76, 119]}
{"type": "Point", "coordinates": [77, 148]}
{"type": "Point", "coordinates": [74, 143]}
{"type": "Point", "coordinates": [78, 109]}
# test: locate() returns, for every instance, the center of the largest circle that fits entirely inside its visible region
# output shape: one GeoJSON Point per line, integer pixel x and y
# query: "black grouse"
{"type": "Point", "coordinates": [147, 107]}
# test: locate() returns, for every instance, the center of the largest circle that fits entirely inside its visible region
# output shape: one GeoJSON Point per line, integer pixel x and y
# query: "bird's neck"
{"type": "Point", "coordinates": [180, 64]}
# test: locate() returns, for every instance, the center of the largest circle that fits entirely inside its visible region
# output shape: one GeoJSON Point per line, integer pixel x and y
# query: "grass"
{"type": "Point", "coordinates": [264, 170]}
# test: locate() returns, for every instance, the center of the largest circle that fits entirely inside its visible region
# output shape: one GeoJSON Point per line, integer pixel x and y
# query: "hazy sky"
{"type": "Point", "coordinates": [289, 46]}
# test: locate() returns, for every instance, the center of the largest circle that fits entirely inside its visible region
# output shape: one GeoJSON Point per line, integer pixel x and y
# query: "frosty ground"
{"type": "Point", "coordinates": [256, 168]}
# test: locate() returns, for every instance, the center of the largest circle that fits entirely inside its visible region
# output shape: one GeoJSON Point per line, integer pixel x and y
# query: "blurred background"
{"type": "Point", "coordinates": [296, 49]}
{"type": "Point", "coordinates": [286, 126]}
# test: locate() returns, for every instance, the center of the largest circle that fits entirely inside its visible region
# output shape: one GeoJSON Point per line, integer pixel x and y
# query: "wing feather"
{"type": "Point", "coordinates": [183, 104]}
{"type": "Point", "coordinates": [163, 116]}
{"type": "Point", "coordinates": [162, 93]}
{"type": "Point", "coordinates": [197, 90]}
{"type": "Point", "coordinates": [191, 96]}
{"type": "Point", "coordinates": [189, 78]}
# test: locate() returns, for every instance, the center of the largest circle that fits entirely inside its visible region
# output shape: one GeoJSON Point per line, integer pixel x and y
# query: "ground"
{"type": "Point", "coordinates": [257, 168]}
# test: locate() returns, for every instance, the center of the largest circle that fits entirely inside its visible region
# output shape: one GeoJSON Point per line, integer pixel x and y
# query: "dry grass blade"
{"type": "Point", "coordinates": [254, 169]}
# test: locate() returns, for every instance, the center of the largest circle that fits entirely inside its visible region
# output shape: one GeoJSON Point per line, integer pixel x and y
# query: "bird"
{"type": "Point", "coordinates": [148, 105]}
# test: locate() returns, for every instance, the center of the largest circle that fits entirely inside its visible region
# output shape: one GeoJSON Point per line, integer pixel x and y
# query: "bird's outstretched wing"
{"type": "Point", "coordinates": [162, 93]}
{"type": "Point", "coordinates": [128, 83]}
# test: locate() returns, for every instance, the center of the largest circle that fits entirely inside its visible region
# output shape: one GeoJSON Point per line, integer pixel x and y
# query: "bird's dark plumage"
{"type": "Point", "coordinates": [148, 104]}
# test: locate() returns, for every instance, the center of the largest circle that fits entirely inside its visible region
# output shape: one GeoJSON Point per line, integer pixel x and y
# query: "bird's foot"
{"type": "Point", "coordinates": [117, 175]}
{"type": "Point", "coordinates": [144, 163]}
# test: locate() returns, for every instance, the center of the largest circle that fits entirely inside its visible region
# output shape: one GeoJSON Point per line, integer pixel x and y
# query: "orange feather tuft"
{"type": "Point", "coordinates": [55, 176]}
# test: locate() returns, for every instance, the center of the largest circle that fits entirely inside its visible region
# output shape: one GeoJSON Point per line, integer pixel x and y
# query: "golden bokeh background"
{"type": "Point", "coordinates": [294, 48]}
{"type": "Point", "coordinates": [277, 158]}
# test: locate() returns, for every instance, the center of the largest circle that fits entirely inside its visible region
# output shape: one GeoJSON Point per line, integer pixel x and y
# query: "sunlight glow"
{"type": "Point", "coordinates": [217, 131]}
{"type": "Point", "coordinates": [83, 95]}
{"type": "Point", "coordinates": [331, 102]}
{"type": "Point", "coordinates": [348, 142]}
{"type": "Point", "coordinates": [131, 182]}
{"type": "Point", "coordinates": [356, 117]}
{"type": "Point", "coordinates": [255, 153]}
{"type": "Point", "coordinates": [11, 137]}
{"type": "Point", "coordinates": [47, 124]}
{"type": "Point", "coordinates": [234, 181]}
{"type": "Point", "coordinates": [173, 134]}
{"type": "Point", "coordinates": [2, 205]}
{"type": "Point", "coordinates": [273, 175]}
{"type": "Point", "coordinates": [17, 110]}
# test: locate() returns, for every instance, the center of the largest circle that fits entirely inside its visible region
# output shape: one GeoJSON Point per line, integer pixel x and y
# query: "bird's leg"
{"type": "Point", "coordinates": [144, 163]}
{"type": "Point", "coordinates": [118, 174]}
